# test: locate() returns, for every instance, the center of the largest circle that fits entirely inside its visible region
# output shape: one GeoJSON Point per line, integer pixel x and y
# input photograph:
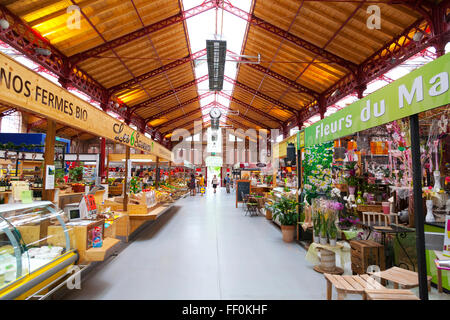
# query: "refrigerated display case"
{"type": "Point", "coordinates": [35, 248]}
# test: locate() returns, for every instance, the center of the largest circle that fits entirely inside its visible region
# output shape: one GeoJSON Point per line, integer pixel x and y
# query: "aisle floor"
{"type": "Point", "coordinates": [205, 248]}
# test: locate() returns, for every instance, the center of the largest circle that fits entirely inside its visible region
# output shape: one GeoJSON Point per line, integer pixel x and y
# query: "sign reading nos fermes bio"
{"type": "Point", "coordinates": [27, 90]}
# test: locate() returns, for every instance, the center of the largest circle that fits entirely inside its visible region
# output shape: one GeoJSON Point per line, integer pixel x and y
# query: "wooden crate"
{"type": "Point", "coordinates": [365, 253]}
{"type": "Point", "coordinates": [369, 208]}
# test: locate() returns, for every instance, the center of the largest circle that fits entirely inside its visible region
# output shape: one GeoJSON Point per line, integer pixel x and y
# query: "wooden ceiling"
{"type": "Point", "coordinates": [322, 41]}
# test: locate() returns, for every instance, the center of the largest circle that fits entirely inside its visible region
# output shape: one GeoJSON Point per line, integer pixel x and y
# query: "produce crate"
{"type": "Point", "coordinates": [115, 190]}
{"type": "Point", "coordinates": [365, 253]}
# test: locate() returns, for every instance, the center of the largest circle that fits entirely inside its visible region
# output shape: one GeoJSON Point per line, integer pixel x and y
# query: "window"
{"type": "Point", "coordinates": [12, 123]}
{"type": "Point", "coordinates": [293, 131]}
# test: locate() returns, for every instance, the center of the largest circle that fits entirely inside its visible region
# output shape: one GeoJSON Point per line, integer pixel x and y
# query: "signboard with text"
{"type": "Point", "coordinates": [23, 88]}
{"type": "Point", "coordinates": [422, 89]}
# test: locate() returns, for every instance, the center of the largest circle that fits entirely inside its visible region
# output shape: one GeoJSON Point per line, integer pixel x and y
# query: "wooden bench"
{"type": "Point", "coordinates": [390, 294]}
{"type": "Point", "coordinates": [351, 284]}
{"type": "Point", "coordinates": [401, 278]}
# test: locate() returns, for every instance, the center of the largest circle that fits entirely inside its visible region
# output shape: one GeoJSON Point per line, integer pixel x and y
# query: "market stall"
{"type": "Point", "coordinates": [93, 226]}
{"type": "Point", "coordinates": [373, 169]}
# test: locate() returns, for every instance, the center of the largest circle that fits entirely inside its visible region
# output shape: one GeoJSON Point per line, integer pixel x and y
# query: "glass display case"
{"type": "Point", "coordinates": [33, 238]}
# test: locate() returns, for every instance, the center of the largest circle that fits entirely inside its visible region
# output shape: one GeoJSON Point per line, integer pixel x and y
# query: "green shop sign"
{"type": "Point", "coordinates": [422, 89]}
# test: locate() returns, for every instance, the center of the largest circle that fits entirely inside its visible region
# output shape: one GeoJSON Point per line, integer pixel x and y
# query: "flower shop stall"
{"type": "Point", "coordinates": [375, 171]}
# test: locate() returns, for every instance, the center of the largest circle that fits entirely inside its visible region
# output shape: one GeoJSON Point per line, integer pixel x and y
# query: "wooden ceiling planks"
{"type": "Point", "coordinates": [337, 27]}
{"type": "Point", "coordinates": [332, 26]}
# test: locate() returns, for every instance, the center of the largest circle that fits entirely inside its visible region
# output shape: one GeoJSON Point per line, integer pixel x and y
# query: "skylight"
{"type": "Point", "coordinates": [212, 25]}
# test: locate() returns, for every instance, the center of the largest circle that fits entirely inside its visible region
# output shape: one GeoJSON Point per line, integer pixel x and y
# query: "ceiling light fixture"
{"type": "Point", "coordinates": [42, 51]}
{"type": "Point", "coordinates": [418, 36]}
{"type": "Point", "coordinates": [4, 24]}
{"type": "Point", "coordinates": [216, 56]}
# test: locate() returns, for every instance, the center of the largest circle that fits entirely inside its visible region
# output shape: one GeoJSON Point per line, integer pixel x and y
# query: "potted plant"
{"type": "Point", "coordinates": [323, 229]}
{"type": "Point", "coordinates": [332, 232]}
{"type": "Point", "coordinates": [76, 176]}
{"type": "Point", "coordinates": [285, 210]}
{"type": "Point", "coordinates": [269, 209]}
{"type": "Point", "coordinates": [316, 226]}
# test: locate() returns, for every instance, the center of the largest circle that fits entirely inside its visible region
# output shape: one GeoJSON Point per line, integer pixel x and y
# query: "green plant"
{"type": "Point", "coordinates": [285, 210]}
{"type": "Point", "coordinates": [323, 226]}
{"type": "Point", "coordinates": [332, 229]}
{"type": "Point", "coordinates": [352, 181]}
{"type": "Point", "coordinates": [76, 174]}
{"type": "Point", "coordinates": [316, 223]}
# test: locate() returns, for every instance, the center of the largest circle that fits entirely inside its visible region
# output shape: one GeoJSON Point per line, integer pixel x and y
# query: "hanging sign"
{"type": "Point", "coordinates": [422, 89]}
{"type": "Point", "coordinates": [49, 177]}
{"type": "Point", "coordinates": [23, 88]}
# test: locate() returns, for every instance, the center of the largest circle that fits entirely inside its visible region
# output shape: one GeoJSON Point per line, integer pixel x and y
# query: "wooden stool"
{"type": "Point", "coordinates": [401, 277]}
{"type": "Point", "coordinates": [390, 294]}
{"type": "Point", "coordinates": [351, 284]}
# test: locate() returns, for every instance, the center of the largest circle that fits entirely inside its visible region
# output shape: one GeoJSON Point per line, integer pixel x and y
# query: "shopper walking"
{"type": "Point", "coordinates": [192, 185]}
{"type": "Point", "coordinates": [201, 183]}
{"type": "Point", "coordinates": [227, 183]}
{"type": "Point", "coordinates": [215, 182]}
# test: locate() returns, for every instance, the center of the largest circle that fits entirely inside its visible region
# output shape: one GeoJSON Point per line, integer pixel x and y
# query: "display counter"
{"type": "Point", "coordinates": [36, 246]}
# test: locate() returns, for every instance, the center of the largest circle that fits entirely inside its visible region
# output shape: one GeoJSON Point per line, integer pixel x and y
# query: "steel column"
{"type": "Point", "coordinates": [418, 207]}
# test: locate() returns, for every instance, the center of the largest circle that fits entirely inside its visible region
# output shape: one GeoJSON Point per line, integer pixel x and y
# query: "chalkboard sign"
{"type": "Point", "coordinates": [242, 186]}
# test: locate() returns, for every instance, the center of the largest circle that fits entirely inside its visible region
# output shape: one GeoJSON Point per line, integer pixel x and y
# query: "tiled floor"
{"type": "Point", "coordinates": [205, 248]}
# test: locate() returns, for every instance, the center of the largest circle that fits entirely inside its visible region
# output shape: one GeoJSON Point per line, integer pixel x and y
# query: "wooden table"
{"type": "Point", "coordinates": [350, 284]}
{"type": "Point", "coordinates": [401, 277]}
{"type": "Point", "coordinates": [390, 294]}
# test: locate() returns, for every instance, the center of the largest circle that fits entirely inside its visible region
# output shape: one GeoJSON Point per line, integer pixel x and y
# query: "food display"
{"type": "Point", "coordinates": [32, 236]}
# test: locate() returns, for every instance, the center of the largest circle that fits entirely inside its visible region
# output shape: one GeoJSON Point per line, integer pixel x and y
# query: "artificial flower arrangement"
{"type": "Point", "coordinates": [400, 151]}
{"type": "Point", "coordinates": [317, 170]}
{"type": "Point", "coordinates": [428, 193]}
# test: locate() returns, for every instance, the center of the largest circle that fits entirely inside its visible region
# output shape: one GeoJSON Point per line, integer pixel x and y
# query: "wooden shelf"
{"type": "Point", "coordinates": [153, 214]}
{"type": "Point", "coordinates": [99, 254]}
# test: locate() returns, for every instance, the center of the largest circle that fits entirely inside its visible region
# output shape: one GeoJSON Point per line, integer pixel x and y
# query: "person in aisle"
{"type": "Point", "coordinates": [201, 182]}
{"type": "Point", "coordinates": [192, 185]}
{"type": "Point", "coordinates": [253, 180]}
{"type": "Point", "coordinates": [215, 182]}
{"type": "Point", "coordinates": [227, 182]}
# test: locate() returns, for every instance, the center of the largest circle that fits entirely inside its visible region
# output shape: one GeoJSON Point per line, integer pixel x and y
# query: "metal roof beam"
{"type": "Point", "coordinates": [168, 93]}
{"type": "Point", "coordinates": [135, 81]}
{"type": "Point", "coordinates": [273, 101]}
{"type": "Point", "coordinates": [177, 107]}
{"type": "Point", "coordinates": [289, 82]}
{"type": "Point", "coordinates": [246, 105]}
{"type": "Point", "coordinates": [254, 20]}
{"type": "Point", "coordinates": [179, 17]}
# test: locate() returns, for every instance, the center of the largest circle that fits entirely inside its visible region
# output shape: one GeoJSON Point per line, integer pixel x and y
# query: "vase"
{"type": "Point", "coordinates": [323, 240]}
{"type": "Point", "coordinates": [333, 242]}
{"type": "Point", "coordinates": [316, 239]}
{"type": "Point", "coordinates": [351, 190]}
{"type": "Point", "coordinates": [437, 181]}
{"type": "Point", "coordinates": [429, 217]}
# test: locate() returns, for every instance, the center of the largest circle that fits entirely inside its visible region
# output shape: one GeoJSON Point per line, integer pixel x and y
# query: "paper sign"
{"type": "Point", "coordinates": [50, 177]}
{"type": "Point", "coordinates": [447, 236]}
{"type": "Point", "coordinates": [26, 196]}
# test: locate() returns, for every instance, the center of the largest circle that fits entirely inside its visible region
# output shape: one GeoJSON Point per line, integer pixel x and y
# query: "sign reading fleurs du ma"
{"type": "Point", "coordinates": [422, 89]}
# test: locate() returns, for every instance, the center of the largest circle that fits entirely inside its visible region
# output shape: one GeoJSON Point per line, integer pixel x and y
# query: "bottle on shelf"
{"type": "Point", "coordinates": [2, 185]}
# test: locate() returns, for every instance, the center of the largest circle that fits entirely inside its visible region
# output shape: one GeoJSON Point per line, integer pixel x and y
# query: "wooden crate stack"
{"type": "Point", "coordinates": [365, 253]}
